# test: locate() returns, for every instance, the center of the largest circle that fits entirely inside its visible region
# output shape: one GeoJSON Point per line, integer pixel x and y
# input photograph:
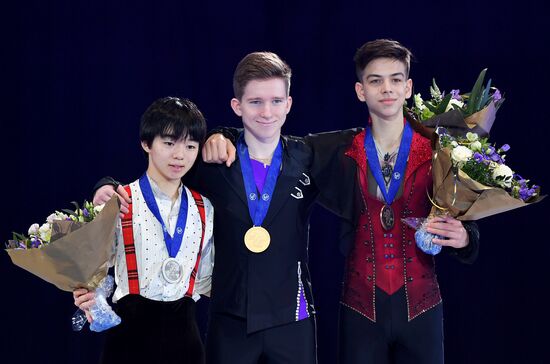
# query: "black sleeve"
{"type": "Point", "coordinates": [105, 181]}
{"type": "Point", "coordinates": [332, 172]}
{"type": "Point", "coordinates": [202, 176]}
{"type": "Point", "coordinates": [468, 254]}
{"type": "Point", "coordinates": [227, 131]}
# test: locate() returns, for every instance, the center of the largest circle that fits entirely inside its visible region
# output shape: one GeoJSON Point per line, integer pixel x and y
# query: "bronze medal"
{"type": "Point", "coordinates": [386, 217]}
{"type": "Point", "coordinates": [257, 239]}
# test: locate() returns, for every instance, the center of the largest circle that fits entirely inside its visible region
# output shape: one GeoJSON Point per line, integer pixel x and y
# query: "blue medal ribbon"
{"type": "Point", "coordinates": [173, 243]}
{"type": "Point", "coordinates": [400, 163]}
{"type": "Point", "coordinates": [258, 205]}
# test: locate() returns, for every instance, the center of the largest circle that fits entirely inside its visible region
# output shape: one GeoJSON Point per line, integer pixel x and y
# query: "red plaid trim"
{"type": "Point", "coordinates": [129, 248]}
{"type": "Point", "coordinates": [200, 205]}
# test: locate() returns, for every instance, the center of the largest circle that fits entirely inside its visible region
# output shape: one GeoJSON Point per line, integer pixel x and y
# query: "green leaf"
{"type": "Point", "coordinates": [426, 114]}
{"type": "Point", "coordinates": [70, 212]}
{"type": "Point", "coordinates": [430, 106]}
{"type": "Point", "coordinates": [18, 237]}
{"type": "Point", "coordinates": [443, 105]}
{"type": "Point", "coordinates": [485, 97]}
{"type": "Point", "coordinates": [475, 95]}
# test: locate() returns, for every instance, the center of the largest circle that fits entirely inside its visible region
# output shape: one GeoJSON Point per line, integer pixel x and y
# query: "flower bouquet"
{"type": "Point", "coordinates": [470, 179]}
{"type": "Point", "coordinates": [459, 113]}
{"type": "Point", "coordinates": [72, 250]}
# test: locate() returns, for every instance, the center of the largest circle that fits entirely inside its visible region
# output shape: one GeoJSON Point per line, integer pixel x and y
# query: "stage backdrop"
{"type": "Point", "coordinates": [77, 75]}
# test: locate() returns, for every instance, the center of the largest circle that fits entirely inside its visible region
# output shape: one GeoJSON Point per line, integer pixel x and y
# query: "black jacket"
{"type": "Point", "coordinates": [261, 287]}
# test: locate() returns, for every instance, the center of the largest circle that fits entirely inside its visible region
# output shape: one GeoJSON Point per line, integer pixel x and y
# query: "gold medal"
{"type": "Point", "coordinates": [257, 239]}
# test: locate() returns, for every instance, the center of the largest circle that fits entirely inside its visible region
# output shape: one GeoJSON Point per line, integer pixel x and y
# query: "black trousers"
{"type": "Point", "coordinates": [392, 338]}
{"type": "Point", "coordinates": [228, 342]}
{"type": "Point", "coordinates": [154, 332]}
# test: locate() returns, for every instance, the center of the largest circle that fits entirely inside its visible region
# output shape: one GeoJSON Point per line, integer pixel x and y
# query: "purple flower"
{"type": "Point", "coordinates": [505, 148]}
{"type": "Point", "coordinates": [497, 96]}
{"type": "Point", "coordinates": [85, 212]}
{"type": "Point", "coordinates": [496, 158]}
{"type": "Point", "coordinates": [478, 157]}
{"type": "Point", "coordinates": [35, 243]}
{"type": "Point", "coordinates": [456, 95]}
{"type": "Point", "coordinates": [525, 193]}
{"type": "Point", "coordinates": [490, 150]}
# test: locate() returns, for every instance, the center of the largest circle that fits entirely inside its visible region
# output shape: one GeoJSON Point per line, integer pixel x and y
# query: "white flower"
{"type": "Point", "coordinates": [472, 137]}
{"type": "Point", "coordinates": [98, 208]}
{"type": "Point", "coordinates": [418, 102]}
{"type": "Point", "coordinates": [475, 146]}
{"type": "Point", "coordinates": [56, 216]}
{"type": "Point", "coordinates": [45, 232]}
{"type": "Point", "coordinates": [502, 170]}
{"type": "Point", "coordinates": [461, 154]}
{"type": "Point", "coordinates": [454, 143]}
{"type": "Point", "coordinates": [33, 230]}
{"type": "Point", "coordinates": [454, 102]}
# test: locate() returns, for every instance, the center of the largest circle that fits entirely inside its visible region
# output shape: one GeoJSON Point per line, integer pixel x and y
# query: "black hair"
{"type": "Point", "coordinates": [381, 48]}
{"type": "Point", "coordinates": [172, 117]}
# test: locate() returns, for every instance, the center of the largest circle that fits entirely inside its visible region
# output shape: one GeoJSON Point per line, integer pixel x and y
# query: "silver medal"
{"type": "Point", "coordinates": [172, 270]}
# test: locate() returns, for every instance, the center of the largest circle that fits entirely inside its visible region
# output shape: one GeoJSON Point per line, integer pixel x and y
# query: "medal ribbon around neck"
{"type": "Point", "coordinates": [400, 163]}
{"type": "Point", "coordinates": [258, 205]}
{"type": "Point", "coordinates": [173, 243]}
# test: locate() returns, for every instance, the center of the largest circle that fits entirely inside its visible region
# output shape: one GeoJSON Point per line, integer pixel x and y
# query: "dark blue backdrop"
{"type": "Point", "coordinates": [77, 75]}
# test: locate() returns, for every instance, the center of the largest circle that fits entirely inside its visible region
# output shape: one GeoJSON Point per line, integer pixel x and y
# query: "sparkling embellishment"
{"type": "Point", "coordinates": [298, 195]}
{"type": "Point", "coordinates": [387, 170]}
{"type": "Point", "coordinates": [306, 181]}
{"type": "Point", "coordinates": [300, 293]}
{"type": "Point", "coordinates": [252, 196]}
{"type": "Point", "coordinates": [265, 197]}
{"type": "Point", "coordinates": [179, 230]}
{"type": "Point", "coordinates": [396, 175]}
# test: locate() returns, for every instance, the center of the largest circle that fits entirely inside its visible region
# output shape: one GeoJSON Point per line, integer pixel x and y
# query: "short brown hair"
{"type": "Point", "coordinates": [381, 48]}
{"type": "Point", "coordinates": [260, 66]}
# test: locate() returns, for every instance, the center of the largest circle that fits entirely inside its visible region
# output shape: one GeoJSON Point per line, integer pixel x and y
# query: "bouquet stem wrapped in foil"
{"type": "Point", "coordinates": [102, 314]}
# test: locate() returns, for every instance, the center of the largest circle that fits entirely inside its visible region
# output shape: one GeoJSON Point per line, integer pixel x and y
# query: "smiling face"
{"type": "Point", "coordinates": [170, 159]}
{"type": "Point", "coordinates": [263, 108]}
{"type": "Point", "coordinates": [384, 87]}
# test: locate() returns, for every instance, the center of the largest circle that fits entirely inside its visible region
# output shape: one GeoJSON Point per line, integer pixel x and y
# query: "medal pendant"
{"type": "Point", "coordinates": [386, 217]}
{"type": "Point", "coordinates": [172, 270]}
{"type": "Point", "coordinates": [257, 239]}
